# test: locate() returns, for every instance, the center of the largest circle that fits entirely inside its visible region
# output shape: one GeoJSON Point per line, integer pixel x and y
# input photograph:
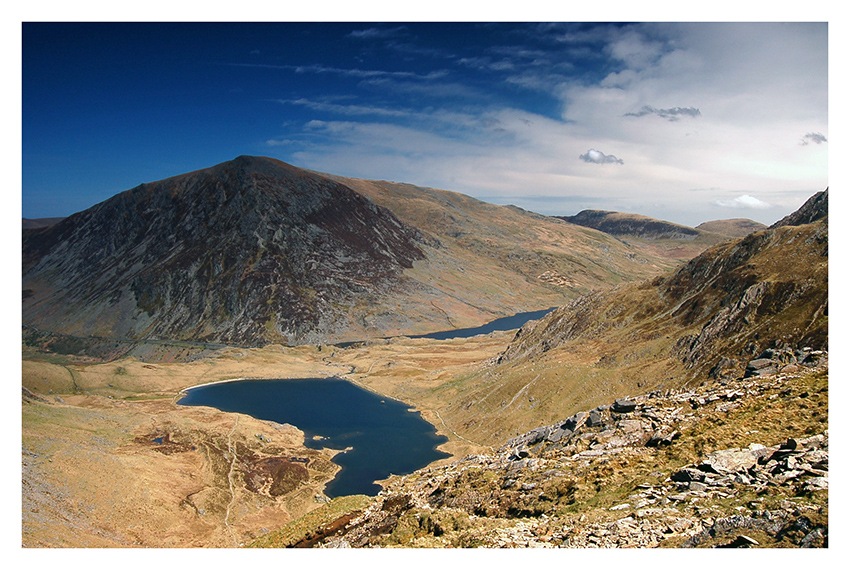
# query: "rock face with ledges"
{"type": "Point", "coordinates": [815, 208]}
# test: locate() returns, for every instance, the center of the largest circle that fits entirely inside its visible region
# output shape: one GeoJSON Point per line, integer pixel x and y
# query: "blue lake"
{"type": "Point", "coordinates": [503, 324]}
{"type": "Point", "coordinates": [385, 436]}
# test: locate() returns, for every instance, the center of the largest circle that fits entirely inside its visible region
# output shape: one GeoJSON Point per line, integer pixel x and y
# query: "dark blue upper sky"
{"type": "Point", "coordinates": [552, 117]}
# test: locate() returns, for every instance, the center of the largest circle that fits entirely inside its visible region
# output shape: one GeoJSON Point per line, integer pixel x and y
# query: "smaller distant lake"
{"type": "Point", "coordinates": [501, 324]}
{"type": "Point", "coordinates": [385, 436]}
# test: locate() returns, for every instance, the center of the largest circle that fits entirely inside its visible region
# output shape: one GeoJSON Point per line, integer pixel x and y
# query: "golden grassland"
{"type": "Point", "coordinates": [93, 477]}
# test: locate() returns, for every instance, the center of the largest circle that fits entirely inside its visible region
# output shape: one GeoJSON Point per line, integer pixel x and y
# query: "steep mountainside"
{"type": "Point", "coordinates": [815, 208]}
{"type": "Point", "coordinates": [250, 249]}
{"type": "Point", "coordinates": [712, 316]}
{"type": "Point", "coordinates": [256, 251]}
{"type": "Point", "coordinates": [735, 227]}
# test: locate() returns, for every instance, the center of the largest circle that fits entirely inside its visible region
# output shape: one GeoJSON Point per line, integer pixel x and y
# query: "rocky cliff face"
{"type": "Point", "coordinates": [247, 251]}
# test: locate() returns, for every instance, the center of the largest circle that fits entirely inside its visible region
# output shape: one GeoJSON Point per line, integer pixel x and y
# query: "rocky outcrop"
{"type": "Point", "coordinates": [772, 361]}
{"type": "Point", "coordinates": [815, 208]}
{"type": "Point", "coordinates": [608, 478]}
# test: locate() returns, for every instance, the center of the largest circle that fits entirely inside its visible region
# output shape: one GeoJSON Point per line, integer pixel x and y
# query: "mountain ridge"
{"type": "Point", "coordinates": [255, 251]}
{"type": "Point", "coordinates": [637, 225]}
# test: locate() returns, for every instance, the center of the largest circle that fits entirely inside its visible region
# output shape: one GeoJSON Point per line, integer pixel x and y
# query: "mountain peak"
{"type": "Point", "coordinates": [251, 250]}
{"type": "Point", "coordinates": [813, 209]}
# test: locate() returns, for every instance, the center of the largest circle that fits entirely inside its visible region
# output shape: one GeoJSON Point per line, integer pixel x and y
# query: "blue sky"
{"type": "Point", "coordinates": [685, 122]}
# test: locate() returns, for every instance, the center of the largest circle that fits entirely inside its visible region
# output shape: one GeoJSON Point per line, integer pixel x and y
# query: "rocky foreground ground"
{"type": "Point", "coordinates": [732, 463]}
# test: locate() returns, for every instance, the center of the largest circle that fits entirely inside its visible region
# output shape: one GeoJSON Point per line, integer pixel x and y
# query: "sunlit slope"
{"type": "Point", "coordinates": [493, 260]}
{"type": "Point", "coordinates": [712, 316]}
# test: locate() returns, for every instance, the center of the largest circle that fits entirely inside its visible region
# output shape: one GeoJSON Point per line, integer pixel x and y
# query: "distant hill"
{"type": "Point", "coordinates": [635, 225]}
{"type": "Point", "coordinates": [735, 227]}
{"type": "Point", "coordinates": [651, 236]}
{"type": "Point", "coordinates": [255, 251]}
{"type": "Point", "coordinates": [35, 223]}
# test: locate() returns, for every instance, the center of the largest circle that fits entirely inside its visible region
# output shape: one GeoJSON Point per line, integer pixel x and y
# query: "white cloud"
{"type": "Point", "coordinates": [744, 201]}
{"type": "Point", "coordinates": [597, 157]}
{"type": "Point", "coordinates": [348, 109]}
{"type": "Point", "coordinates": [635, 49]}
{"type": "Point", "coordinates": [281, 142]}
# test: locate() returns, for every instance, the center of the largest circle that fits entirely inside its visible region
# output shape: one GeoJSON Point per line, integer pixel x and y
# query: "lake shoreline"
{"type": "Point", "coordinates": [374, 436]}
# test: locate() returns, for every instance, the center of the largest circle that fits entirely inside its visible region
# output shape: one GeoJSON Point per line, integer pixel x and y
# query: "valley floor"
{"type": "Point", "coordinates": [109, 459]}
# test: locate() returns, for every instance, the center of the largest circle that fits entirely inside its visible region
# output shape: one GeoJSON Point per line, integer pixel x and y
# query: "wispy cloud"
{"type": "Point", "coordinates": [436, 88]}
{"type": "Point", "coordinates": [348, 72]}
{"type": "Point", "coordinates": [671, 114]}
{"type": "Point", "coordinates": [596, 157]}
{"type": "Point", "coordinates": [377, 33]}
{"type": "Point", "coordinates": [350, 109]}
{"type": "Point", "coordinates": [487, 63]}
{"type": "Point", "coordinates": [816, 138]}
{"type": "Point", "coordinates": [367, 73]}
{"type": "Point", "coordinates": [744, 201]}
